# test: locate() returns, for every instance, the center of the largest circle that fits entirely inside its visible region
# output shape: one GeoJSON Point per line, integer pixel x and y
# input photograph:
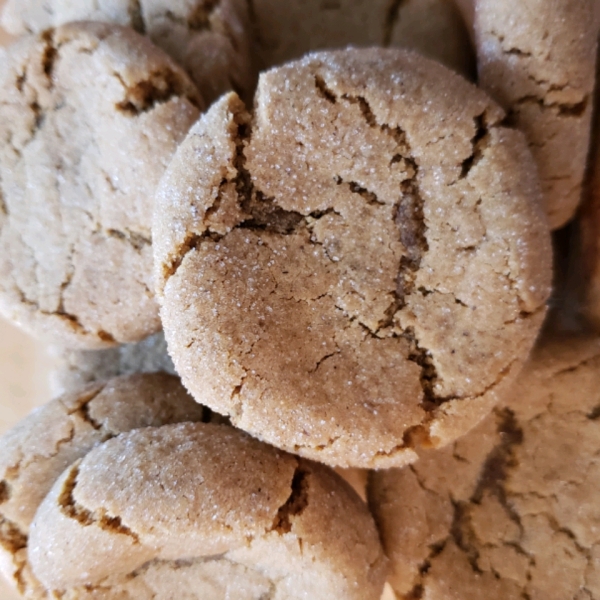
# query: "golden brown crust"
{"type": "Point", "coordinates": [359, 267]}
{"type": "Point", "coordinates": [35, 452]}
{"type": "Point", "coordinates": [537, 59]}
{"type": "Point", "coordinates": [90, 114]}
{"type": "Point", "coordinates": [202, 493]}
{"type": "Point", "coordinates": [509, 511]}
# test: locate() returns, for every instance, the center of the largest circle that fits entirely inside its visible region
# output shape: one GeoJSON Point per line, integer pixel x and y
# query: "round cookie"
{"type": "Point", "coordinates": [211, 39]}
{"type": "Point", "coordinates": [537, 59]}
{"type": "Point", "coordinates": [35, 452]}
{"type": "Point", "coordinates": [288, 30]}
{"type": "Point", "coordinates": [74, 368]}
{"type": "Point", "coordinates": [200, 511]}
{"type": "Point", "coordinates": [90, 115]}
{"type": "Point", "coordinates": [360, 266]}
{"type": "Point", "coordinates": [510, 510]}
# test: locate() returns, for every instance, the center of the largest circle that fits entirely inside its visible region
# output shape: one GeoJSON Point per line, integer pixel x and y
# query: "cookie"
{"type": "Point", "coordinates": [90, 115]}
{"type": "Point", "coordinates": [201, 510]}
{"type": "Point", "coordinates": [288, 30]}
{"type": "Point", "coordinates": [536, 58]}
{"type": "Point", "coordinates": [509, 511]}
{"type": "Point", "coordinates": [35, 452]}
{"type": "Point", "coordinates": [75, 368]}
{"type": "Point", "coordinates": [211, 39]}
{"type": "Point", "coordinates": [359, 266]}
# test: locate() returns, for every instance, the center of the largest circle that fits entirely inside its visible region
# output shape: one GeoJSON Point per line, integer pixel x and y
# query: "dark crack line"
{"type": "Point", "coordinates": [369, 196]}
{"type": "Point", "coordinates": [70, 508]}
{"type": "Point", "coordinates": [563, 109]}
{"type": "Point", "coordinates": [295, 504]}
{"type": "Point", "coordinates": [160, 86]}
{"type": "Point", "coordinates": [479, 142]}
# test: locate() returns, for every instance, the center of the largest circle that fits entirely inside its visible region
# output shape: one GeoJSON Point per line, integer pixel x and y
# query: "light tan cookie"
{"type": "Point", "coordinates": [536, 58]}
{"type": "Point", "coordinates": [204, 511]}
{"type": "Point", "coordinates": [358, 267]}
{"type": "Point", "coordinates": [288, 30]}
{"type": "Point", "coordinates": [35, 452]}
{"type": "Point", "coordinates": [75, 368]}
{"type": "Point", "coordinates": [510, 510]}
{"type": "Point", "coordinates": [211, 39]}
{"type": "Point", "coordinates": [90, 115]}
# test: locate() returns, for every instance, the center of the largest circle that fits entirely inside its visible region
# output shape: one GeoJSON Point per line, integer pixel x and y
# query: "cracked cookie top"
{"type": "Point", "coordinates": [510, 510]}
{"type": "Point", "coordinates": [537, 59]}
{"type": "Point", "coordinates": [211, 39]}
{"type": "Point", "coordinates": [75, 368]}
{"type": "Point", "coordinates": [288, 30]}
{"type": "Point", "coordinates": [90, 115]}
{"type": "Point", "coordinates": [201, 511]}
{"type": "Point", "coordinates": [35, 452]}
{"type": "Point", "coordinates": [360, 265]}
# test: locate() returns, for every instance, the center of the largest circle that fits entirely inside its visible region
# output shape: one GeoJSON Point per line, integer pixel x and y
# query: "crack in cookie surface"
{"type": "Point", "coordinates": [91, 206]}
{"type": "Point", "coordinates": [333, 232]}
{"type": "Point", "coordinates": [504, 517]}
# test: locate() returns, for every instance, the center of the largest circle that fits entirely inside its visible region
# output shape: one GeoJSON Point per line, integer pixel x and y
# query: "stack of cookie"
{"type": "Point", "coordinates": [343, 262]}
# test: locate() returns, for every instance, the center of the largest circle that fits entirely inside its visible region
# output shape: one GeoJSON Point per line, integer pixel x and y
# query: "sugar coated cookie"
{"type": "Point", "coordinates": [536, 58]}
{"type": "Point", "coordinates": [359, 266]}
{"type": "Point", "coordinates": [90, 115]}
{"type": "Point", "coordinates": [37, 450]}
{"type": "Point", "coordinates": [510, 510]}
{"type": "Point", "coordinates": [203, 511]}
{"type": "Point", "coordinates": [211, 39]}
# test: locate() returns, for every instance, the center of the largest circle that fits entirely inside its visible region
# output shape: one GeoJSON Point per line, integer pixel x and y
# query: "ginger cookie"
{"type": "Point", "coordinates": [90, 115]}
{"type": "Point", "coordinates": [537, 59]}
{"type": "Point", "coordinates": [201, 511]}
{"type": "Point", "coordinates": [75, 368]}
{"type": "Point", "coordinates": [211, 39]}
{"type": "Point", "coordinates": [35, 452]}
{"type": "Point", "coordinates": [288, 30]}
{"type": "Point", "coordinates": [359, 266]}
{"type": "Point", "coordinates": [510, 510]}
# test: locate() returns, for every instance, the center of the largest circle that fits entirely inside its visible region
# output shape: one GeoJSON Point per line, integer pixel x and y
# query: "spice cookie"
{"type": "Point", "coordinates": [211, 39]}
{"type": "Point", "coordinates": [536, 58]}
{"type": "Point", "coordinates": [511, 510]}
{"type": "Point", "coordinates": [360, 266]}
{"type": "Point", "coordinates": [202, 511]}
{"type": "Point", "coordinates": [35, 452]}
{"type": "Point", "coordinates": [288, 30]}
{"type": "Point", "coordinates": [75, 368]}
{"type": "Point", "coordinates": [90, 115]}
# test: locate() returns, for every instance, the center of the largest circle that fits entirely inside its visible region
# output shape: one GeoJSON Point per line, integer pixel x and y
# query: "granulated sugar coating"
{"type": "Point", "coordinates": [360, 266]}
{"type": "Point", "coordinates": [210, 39]}
{"type": "Point", "coordinates": [202, 511]}
{"type": "Point", "coordinates": [35, 452]}
{"type": "Point", "coordinates": [90, 115]}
